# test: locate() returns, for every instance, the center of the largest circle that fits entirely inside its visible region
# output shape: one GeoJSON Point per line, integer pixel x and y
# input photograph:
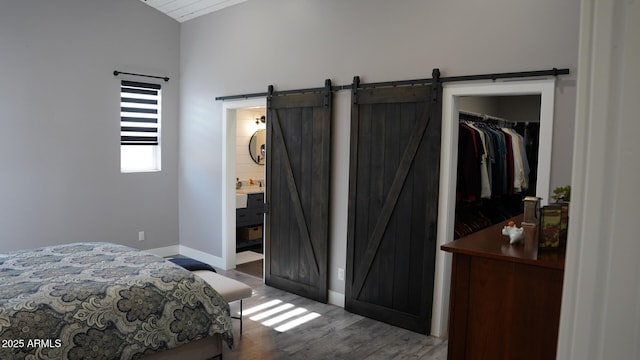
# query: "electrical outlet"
{"type": "Point", "coordinates": [341, 274]}
{"type": "Point", "coordinates": [140, 235]}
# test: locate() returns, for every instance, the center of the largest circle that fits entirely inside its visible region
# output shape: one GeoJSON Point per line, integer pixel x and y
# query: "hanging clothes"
{"type": "Point", "coordinates": [520, 162]}
{"type": "Point", "coordinates": [493, 172]}
{"type": "Point", "coordinates": [469, 159]}
{"type": "Point", "coordinates": [485, 181]}
{"type": "Point", "coordinates": [492, 161]}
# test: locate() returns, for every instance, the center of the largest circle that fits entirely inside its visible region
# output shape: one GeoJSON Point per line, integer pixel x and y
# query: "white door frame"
{"type": "Point", "coordinates": [229, 108]}
{"type": "Point", "coordinates": [448, 169]}
{"type": "Point", "coordinates": [600, 312]}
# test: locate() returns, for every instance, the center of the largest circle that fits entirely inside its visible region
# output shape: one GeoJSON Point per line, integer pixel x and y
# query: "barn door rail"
{"type": "Point", "coordinates": [496, 76]}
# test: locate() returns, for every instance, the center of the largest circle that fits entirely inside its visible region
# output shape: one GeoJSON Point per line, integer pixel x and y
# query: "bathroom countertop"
{"type": "Point", "coordinates": [250, 190]}
{"type": "Point", "coordinates": [241, 200]}
{"type": "Point", "coordinates": [242, 195]}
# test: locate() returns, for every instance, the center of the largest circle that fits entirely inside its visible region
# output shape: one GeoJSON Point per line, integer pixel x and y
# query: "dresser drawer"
{"type": "Point", "coordinates": [249, 216]}
{"type": "Point", "coordinates": [255, 200]}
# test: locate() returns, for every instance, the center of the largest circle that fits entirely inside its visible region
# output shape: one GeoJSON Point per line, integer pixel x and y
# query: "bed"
{"type": "Point", "coordinates": [106, 301]}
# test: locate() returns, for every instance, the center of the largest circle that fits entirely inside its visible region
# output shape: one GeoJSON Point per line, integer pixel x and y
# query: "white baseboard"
{"type": "Point", "coordinates": [165, 251]}
{"type": "Point", "coordinates": [336, 298]}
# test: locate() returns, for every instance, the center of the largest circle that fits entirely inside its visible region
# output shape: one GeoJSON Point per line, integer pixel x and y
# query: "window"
{"type": "Point", "coordinates": [139, 126]}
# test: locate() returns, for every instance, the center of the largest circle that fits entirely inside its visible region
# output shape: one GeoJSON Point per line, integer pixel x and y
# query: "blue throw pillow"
{"type": "Point", "coordinates": [192, 264]}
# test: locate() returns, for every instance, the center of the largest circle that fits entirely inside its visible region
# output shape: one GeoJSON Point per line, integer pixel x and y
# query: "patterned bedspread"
{"type": "Point", "coordinates": [102, 301]}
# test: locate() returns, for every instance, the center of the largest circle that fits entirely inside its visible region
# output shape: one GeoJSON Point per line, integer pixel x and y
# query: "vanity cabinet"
{"type": "Point", "coordinates": [253, 214]}
{"type": "Point", "coordinates": [249, 222]}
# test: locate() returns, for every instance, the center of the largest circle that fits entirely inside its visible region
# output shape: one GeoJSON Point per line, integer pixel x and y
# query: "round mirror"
{"type": "Point", "coordinates": [258, 147]}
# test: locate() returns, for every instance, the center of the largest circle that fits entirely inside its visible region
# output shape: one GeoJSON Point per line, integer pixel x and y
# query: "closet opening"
{"type": "Point", "coordinates": [497, 161]}
{"type": "Point", "coordinates": [244, 185]}
{"type": "Point", "coordinates": [525, 106]}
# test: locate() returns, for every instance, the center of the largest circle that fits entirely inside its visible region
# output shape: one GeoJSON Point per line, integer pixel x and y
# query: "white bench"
{"type": "Point", "coordinates": [229, 289]}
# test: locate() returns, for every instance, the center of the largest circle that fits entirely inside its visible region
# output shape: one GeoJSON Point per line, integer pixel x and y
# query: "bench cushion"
{"type": "Point", "coordinates": [229, 289]}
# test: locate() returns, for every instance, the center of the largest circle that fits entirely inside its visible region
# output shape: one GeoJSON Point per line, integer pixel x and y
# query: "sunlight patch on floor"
{"type": "Point", "coordinates": [260, 307]}
{"type": "Point", "coordinates": [285, 315]}
{"type": "Point", "coordinates": [266, 314]}
{"type": "Point", "coordinates": [296, 322]}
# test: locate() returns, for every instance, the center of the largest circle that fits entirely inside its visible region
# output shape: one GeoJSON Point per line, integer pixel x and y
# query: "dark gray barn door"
{"type": "Point", "coordinates": [297, 221]}
{"type": "Point", "coordinates": [393, 204]}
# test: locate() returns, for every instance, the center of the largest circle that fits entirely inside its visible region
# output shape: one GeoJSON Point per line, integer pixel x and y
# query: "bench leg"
{"type": "Point", "coordinates": [239, 317]}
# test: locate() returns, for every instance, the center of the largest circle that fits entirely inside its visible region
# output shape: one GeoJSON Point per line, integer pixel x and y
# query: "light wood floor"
{"type": "Point", "coordinates": [333, 334]}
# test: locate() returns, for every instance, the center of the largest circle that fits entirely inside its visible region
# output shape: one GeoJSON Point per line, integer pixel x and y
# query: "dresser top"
{"type": "Point", "coordinates": [490, 243]}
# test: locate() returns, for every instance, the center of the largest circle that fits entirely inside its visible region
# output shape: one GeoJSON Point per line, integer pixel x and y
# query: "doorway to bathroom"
{"type": "Point", "coordinates": [244, 185]}
{"type": "Point", "coordinates": [295, 192]}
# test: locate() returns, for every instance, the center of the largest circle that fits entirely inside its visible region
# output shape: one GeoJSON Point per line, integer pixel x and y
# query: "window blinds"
{"type": "Point", "coordinates": [139, 113]}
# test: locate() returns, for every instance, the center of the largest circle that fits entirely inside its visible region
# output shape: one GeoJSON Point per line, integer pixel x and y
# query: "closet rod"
{"type": "Point", "coordinates": [496, 76]}
{"type": "Point", "coordinates": [483, 116]}
{"type": "Point", "coordinates": [116, 73]}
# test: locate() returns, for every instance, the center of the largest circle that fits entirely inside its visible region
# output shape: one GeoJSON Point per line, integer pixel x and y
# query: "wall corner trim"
{"type": "Point", "coordinates": [336, 298]}
{"type": "Point", "coordinates": [165, 251]}
{"type": "Point", "coordinates": [212, 260]}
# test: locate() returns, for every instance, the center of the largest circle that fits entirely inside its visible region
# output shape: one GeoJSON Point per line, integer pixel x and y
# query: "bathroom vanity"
{"type": "Point", "coordinates": [249, 218]}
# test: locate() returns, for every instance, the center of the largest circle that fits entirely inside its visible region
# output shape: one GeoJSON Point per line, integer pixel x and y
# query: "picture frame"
{"type": "Point", "coordinates": [550, 227]}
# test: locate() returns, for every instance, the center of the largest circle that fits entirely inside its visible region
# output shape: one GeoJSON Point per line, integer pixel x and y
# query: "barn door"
{"type": "Point", "coordinates": [297, 220]}
{"type": "Point", "coordinates": [393, 203]}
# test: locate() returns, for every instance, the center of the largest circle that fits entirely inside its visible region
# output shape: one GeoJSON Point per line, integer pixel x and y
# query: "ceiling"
{"type": "Point", "coordinates": [183, 10]}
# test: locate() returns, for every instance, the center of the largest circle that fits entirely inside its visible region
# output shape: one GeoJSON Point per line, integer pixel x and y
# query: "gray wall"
{"type": "Point", "coordinates": [297, 44]}
{"type": "Point", "coordinates": [60, 177]}
{"type": "Point", "coordinates": [521, 108]}
{"type": "Point", "coordinates": [487, 105]}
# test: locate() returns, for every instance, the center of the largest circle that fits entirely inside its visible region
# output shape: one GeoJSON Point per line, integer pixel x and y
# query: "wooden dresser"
{"type": "Point", "coordinates": [505, 299]}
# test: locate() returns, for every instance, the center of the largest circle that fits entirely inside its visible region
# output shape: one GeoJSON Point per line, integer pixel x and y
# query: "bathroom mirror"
{"type": "Point", "coordinates": [258, 147]}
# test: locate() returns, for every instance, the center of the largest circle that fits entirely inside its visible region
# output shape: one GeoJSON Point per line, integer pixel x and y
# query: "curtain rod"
{"type": "Point", "coordinates": [510, 75]}
{"type": "Point", "coordinates": [116, 73]}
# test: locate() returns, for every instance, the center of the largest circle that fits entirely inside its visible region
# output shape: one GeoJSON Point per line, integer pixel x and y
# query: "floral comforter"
{"type": "Point", "coordinates": [102, 301]}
